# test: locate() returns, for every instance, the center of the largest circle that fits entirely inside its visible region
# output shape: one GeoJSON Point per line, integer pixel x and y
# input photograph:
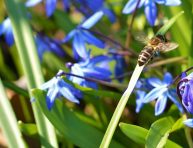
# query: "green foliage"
{"type": "Point", "coordinates": [69, 125]}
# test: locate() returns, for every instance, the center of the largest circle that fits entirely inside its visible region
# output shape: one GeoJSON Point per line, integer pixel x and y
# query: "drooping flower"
{"type": "Point", "coordinates": [57, 87]}
{"type": "Point", "coordinates": [81, 36]}
{"type": "Point", "coordinates": [91, 68]}
{"type": "Point", "coordinates": [46, 44]}
{"type": "Point", "coordinates": [185, 92]}
{"type": "Point", "coordinates": [149, 7]}
{"type": "Point", "coordinates": [50, 5]}
{"type": "Point", "coordinates": [162, 92]}
{"type": "Point", "coordinates": [6, 29]}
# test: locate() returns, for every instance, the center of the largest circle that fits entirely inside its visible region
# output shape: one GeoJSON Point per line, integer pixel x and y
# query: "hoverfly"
{"type": "Point", "coordinates": [154, 46]}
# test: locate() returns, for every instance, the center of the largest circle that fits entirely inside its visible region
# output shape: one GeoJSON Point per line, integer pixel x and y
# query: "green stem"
{"type": "Point", "coordinates": [120, 107]}
{"type": "Point", "coordinates": [31, 65]}
{"type": "Point", "coordinates": [8, 122]}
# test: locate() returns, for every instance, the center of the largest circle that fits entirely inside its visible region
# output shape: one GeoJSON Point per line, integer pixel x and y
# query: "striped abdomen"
{"type": "Point", "coordinates": [145, 55]}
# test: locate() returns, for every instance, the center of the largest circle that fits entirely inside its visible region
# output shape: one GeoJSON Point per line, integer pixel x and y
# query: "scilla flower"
{"type": "Point", "coordinates": [162, 92]}
{"type": "Point", "coordinates": [57, 87]}
{"type": "Point", "coordinates": [149, 6]}
{"type": "Point", "coordinates": [81, 36]}
{"type": "Point", "coordinates": [185, 92]}
{"type": "Point", "coordinates": [96, 68]}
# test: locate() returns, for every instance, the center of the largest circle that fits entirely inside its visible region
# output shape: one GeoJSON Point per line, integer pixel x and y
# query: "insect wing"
{"type": "Point", "coordinates": [141, 37]}
{"type": "Point", "coordinates": [165, 47]}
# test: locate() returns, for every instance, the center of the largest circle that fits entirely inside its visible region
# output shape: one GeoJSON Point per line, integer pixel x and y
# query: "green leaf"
{"type": "Point", "coordinates": [28, 129]}
{"type": "Point", "coordinates": [159, 132]}
{"type": "Point", "coordinates": [167, 26]}
{"type": "Point", "coordinates": [135, 133]}
{"type": "Point", "coordinates": [70, 126]}
{"type": "Point", "coordinates": [138, 134]}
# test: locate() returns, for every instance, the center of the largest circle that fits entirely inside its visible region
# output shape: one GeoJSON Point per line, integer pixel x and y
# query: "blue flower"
{"type": "Point", "coordinates": [57, 87]}
{"type": "Point", "coordinates": [162, 92]}
{"type": "Point", "coordinates": [185, 92]}
{"type": "Point", "coordinates": [91, 68]}
{"type": "Point", "coordinates": [6, 29]}
{"type": "Point", "coordinates": [94, 6]}
{"type": "Point", "coordinates": [45, 43]}
{"type": "Point", "coordinates": [150, 7]}
{"type": "Point", "coordinates": [81, 36]}
{"type": "Point", "coordinates": [50, 5]}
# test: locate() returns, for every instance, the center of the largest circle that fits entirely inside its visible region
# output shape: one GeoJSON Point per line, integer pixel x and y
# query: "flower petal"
{"type": "Point", "coordinates": [91, 21]}
{"type": "Point", "coordinates": [167, 78]}
{"type": "Point", "coordinates": [151, 12]}
{"type": "Point", "coordinates": [51, 96]}
{"type": "Point", "coordinates": [173, 2]}
{"type": "Point", "coordinates": [110, 14]}
{"type": "Point", "coordinates": [173, 97]}
{"type": "Point", "coordinates": [154, 93]}
{"type": "Point", "coordinates": [188, 122]}
{"type": "Point", "coordinates": [160, 104]}
{"type": "Point", "coordinates": [32, 3]}
{"type": "Point", "coordinates": [9, 36]}
{"type": "Point", "coordinates": [50, 7]}
{"type": "Point", "coordinates": [68, 95]}
{"type": "Point", "coordinates": [131, 5]}
{"type": "Point", "coordinates": [155, 82]}
{"type": "Point", "coordinates": [69, 36]}
{"type": "Point", "coordinates": [160, 1]}
{"type": "Point", "coordinates": [91, 39]}
{"type": "Point", "coordinates": [79, 46]}
{"type": "Point", "coordinates": [139, 100]}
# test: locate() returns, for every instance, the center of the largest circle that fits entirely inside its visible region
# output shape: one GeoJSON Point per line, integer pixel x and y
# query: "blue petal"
{"type": "Point", "coordinates": [160, 1]}
{"type": "Point", "coordinates": [151, 12]}
{"type": "Point", "coordinates": [69, 36]}
{"type": "Point", "coordinates": [173, 97]}
{"type": "Point", "coordinates": [131, 5]}
{"type": "Point", "coordinates": [139, 100]}
{"type": "Point", "coordinates": [188, 122]}
{"type": "Point", "coordinates": [173, 2]}
{"type": "Point", "coordinates": [155, 82]}
{"type": "Point", "coordinates": [9, 36]}
{"type": "Point", "coordinates": [92, 39]}
{"type": "Point", "coordinates": [167, 78]}
{"type": "Point", "coordinates": [154, 93]}
{"type": "Point", "coordinates": [91, 21]}
{"type": "Point", "coordinates": [51, 96]}
{"type": "Point", "coordinates": [95, 5]}
{"type": "Point", "coordinates": [97, 59]}
{"type": "Point", "coordinates": [6, 24]}
{"type": "Point", "coordinates": [66, 4]}
{"type": "Point", "coordinates": [48, 84]}
{"type": "Point", "coordinates": [32, 3]}
{"type": "Point", "coordinates": [76, 69]}
{"type": "Point", "coordinates": [50, 7]}
{"type": "Point", "coordinates": [68, 95]}
{"type": "Point", "coordinates": [109, 13]}
{"type": "Point", "coordinates": [79, 46]}
{"type": "Point", "coordinates": [160, 104]}
{"type": "Point", "coordinates": [98, 73]}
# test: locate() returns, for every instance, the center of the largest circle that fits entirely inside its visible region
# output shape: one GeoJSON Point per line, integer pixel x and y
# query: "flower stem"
{"type": "Point", "coordinates": [128, 39]}
{"type": "Point", "coordinates": [120, 107]}
{"type": "Point", "coordinates": [31, 65]}
{"type": "Point", "coordinates": [9, 122]}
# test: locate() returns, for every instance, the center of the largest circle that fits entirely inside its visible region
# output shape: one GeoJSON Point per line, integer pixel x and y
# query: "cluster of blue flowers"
{"type": "Point", "coordinates": [96, 67]}
{"type": "Point", "coordinates": [157, 90]}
